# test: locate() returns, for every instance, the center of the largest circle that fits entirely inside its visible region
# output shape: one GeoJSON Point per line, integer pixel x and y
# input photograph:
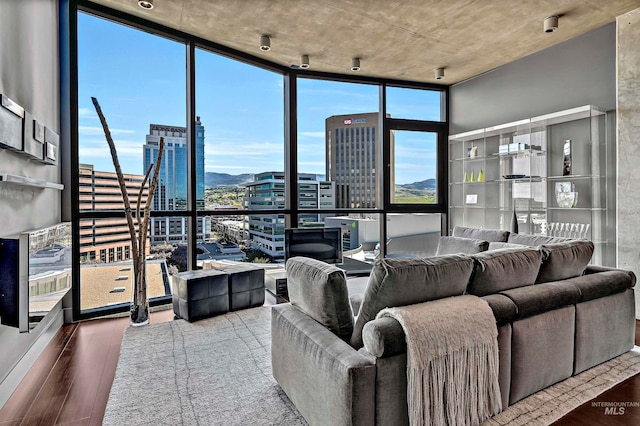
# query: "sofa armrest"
{"type": "Point", "coordinates": [327, 380]}
{"type": "Point", "coordinates": [384, 337]}
{"type": "Point", "coordinates": [594, 269]}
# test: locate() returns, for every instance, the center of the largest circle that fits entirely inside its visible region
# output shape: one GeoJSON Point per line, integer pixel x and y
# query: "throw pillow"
{"type": "Point", "coordinates": [534, 240]}
{"type": "Point", "coordinates": [400, 282]}
{"type": "Point", "coordinates": [320, 290]}
{"type": "Point", "coordinates": [453, 245]}
{"type": "Point", "coordinates": [481, 234]}
{"type": "Point", "coordinates": [564, 260]}
{"type": "Point", "coordinates": [504, 269]}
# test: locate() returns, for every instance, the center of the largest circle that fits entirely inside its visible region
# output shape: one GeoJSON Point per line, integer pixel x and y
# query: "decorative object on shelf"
{"type": "Point", "coordinates": [514, 222]}
{"type": "Point", "coordinates": [566, 196]}
{"type": "Point", "coordinates": [566, 151]}
{"type": "Point", "coordinates": [514, 176]}
{"type": "Point", "coordinates": [568, 230]}
{"type": "Point", "coordinates": [140, 304]}
{"type": "Point", "coordinates": [472, 198]}
{"type": "Point", "coordinates": [466, 177]}
{"type": "Point", "coordinates": [481, 176]}
{"type": "Point", "coordinates": [473, 176]}
{"type": "Point", "coordinates": [472, 152]}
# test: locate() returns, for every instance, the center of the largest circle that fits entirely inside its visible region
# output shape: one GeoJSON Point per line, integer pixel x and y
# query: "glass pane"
{"type": "Point", "coordinates": [414, 167]}
{"type": "Point", "coordinates": [243, 108]}
{"type": "Point", "coordinates": [413, 235]}
{"type": "Point", "coordinates": [339, 142]}
{"type": "Point", "coordinates": [105, 262]}
{"type": "Point", "coordinates": [265, 237]}
{"type": "Point", "coordinates": [140, 103]}
{"type": "Point", "coordinates": [416, 104]}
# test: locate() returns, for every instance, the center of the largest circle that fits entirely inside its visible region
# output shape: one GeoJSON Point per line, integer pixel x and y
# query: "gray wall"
{"type": "Point", "coordinates": [29, 74]}
{"type": "Point", "coordinates": [629, 144]}
{"type": "Point", "coordinates": [580, 71]}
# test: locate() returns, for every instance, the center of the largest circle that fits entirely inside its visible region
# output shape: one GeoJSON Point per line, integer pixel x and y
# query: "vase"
{"type": "Point", "coordinates": [466, 177]}
{"type": "Point", "coordinates": [139, 314]}
{"type": "Point", "coordinates": [481, 176]}
{"type": "Point", "coordinates": [473, 176]}
{"type": "Point", "coordinates": [514, 222]}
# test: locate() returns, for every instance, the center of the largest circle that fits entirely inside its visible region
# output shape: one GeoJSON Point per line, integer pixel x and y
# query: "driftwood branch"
{"type": "Point", "coordinates": [139, 312]}
{"type": "Point", "coordinates": [123, 187]}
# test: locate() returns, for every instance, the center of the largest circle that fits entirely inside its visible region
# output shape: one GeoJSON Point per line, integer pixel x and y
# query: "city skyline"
{"type": "Point", "coordinates": [140, 78]}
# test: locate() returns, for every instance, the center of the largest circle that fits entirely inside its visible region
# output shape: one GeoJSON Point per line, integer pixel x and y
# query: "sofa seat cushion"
{"type": "Point", "coordinates": [595, 286]}
{"type": "Point", "coordinates": [320, 290]}
{"type": "Point", "coordinates": [537, 299]}
{"type": "Point", "coordinates": [534, 240]}
{"type": "Point", "coordinates": [502, 269]}
{"type": "Point", "coordinates": [504, 310]}
{"type": "Point", "coordinates": [564, 260]}
{"type": "Point", "coordinates": [401, 282]}
{"type": "Point", "coordinates": [481, 234]}
{"type": "Point", "coordinates": [453, 245]}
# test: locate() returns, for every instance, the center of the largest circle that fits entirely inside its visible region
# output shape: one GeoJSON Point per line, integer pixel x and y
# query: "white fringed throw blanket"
{"type": "Point", "coordinates": [452, 360]}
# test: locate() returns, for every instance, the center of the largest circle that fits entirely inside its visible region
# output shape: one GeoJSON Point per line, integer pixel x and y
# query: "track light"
{"type": "Point", "coordinates": [304, 61]}
{"type": "Point", "coordinates": [146, 4]}
{"type": "Point", "coordinates": [265, 43]}
{"type": "Point", "coordinates": [355, 64]}
{"type": "Point", "coordinates": [551, 23]}
{"type": "Point", "coordinates": [439, 72]}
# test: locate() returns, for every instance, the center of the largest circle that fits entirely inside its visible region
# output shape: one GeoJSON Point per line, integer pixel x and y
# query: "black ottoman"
{"type": "Point", "coordinates": [200, 294]}
{"type": "Point", "coordinates": [246, 286]}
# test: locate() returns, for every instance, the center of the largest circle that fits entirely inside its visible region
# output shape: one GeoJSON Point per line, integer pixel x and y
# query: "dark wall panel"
{"type": "Point", "coordinates": [577, 72]}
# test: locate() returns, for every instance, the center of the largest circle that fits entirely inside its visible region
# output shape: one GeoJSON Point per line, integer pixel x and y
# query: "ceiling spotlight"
{"type": "Point", "coordinates": [551, 23]}
{"type": "Point", "coordinates": [439, 73]}
{"type": "Point", "coordinates": [304, 61]}
{"type": "Point", "coordinates": [265, 43]}
{"type": "Point", "coordinates": [146, 4]}
{"type": "Point", "coordinates": [355, 64]}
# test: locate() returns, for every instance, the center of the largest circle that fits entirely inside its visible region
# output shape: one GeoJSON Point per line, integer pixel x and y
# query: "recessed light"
{"type": "Point", "coordinates": [146, 4]}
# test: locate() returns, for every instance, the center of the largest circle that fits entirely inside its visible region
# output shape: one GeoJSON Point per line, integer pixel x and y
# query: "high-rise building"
{"type": "Point", "coordinates": [106, 240]}
{"type": "Point", "coordinates": [352, 147]}
{"type": "Point", "coordinates": [171, 192]}
{"type": "Point", "coordinates": [266, 232]}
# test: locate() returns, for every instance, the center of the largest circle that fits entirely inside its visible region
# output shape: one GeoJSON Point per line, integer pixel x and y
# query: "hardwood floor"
{"type": "Point", "coordinates": [70, 382]}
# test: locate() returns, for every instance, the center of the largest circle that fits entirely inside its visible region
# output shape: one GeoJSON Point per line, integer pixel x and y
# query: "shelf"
{"type": "Point", "coordinates": [574, 177]}
{"type": "Point", "coordinates": [473, 183]}
{"type": "Point", "coordinates": [524, 152]}
{"type": "Point", "coordinates": [25, 181]}
{"type": "Point", "coordinates": [465, 159]}
{"type": "Point", "coordinates": [592, 209]}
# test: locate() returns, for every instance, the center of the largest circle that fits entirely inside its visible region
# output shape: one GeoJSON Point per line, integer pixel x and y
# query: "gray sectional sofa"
{"type": "Point", "coordinates": [556, 316]}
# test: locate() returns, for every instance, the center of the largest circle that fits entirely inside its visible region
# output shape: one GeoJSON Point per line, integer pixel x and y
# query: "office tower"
{"type": "Point", "coordinates": [266, 232]}
{"type": "Point", "coordinates": [171, 192]}
{"type": "Point", "coordinates": [352, 155]}
{"type": "Point", "coordinates": [106, 240]}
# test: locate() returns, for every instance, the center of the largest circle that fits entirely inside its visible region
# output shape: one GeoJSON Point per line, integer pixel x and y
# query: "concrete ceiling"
{"type": "Point", "coordinates": [402, 39]}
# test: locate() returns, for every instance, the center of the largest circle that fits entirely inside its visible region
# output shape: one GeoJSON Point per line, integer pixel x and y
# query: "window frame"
{"type": "Point", "coordinates": [291, 77]}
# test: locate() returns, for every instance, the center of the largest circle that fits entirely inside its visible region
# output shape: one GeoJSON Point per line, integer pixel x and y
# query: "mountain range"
{"type": "Point", "coordinates": [213, 180]}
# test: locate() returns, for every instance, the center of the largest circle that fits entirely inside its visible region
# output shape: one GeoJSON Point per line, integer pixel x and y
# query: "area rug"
{"type": "Point", "coordinates": [218, 372]}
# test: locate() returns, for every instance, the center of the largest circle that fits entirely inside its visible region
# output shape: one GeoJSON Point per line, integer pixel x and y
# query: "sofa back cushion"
{"type": "Point", "coordinates": [453, 245]}
{"type": "Point", "coordinates": [320, 290]}
{"type": "Point", "coordinates": [534, 240]}
{"type": "Point", "coordinates": [400, 282]}
{"type": "Point", "coordinates": [564, 260]}
{"type": "Point", "coordinates": [494, 245]}
{"type": "Point", "coordinates": [481, 234]}
{"type": "Point", "coordinates": [504, 269]}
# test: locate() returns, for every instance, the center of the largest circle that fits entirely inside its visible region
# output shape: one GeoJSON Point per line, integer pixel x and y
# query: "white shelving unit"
{"type": "Point", "coordinates": [522, 165]}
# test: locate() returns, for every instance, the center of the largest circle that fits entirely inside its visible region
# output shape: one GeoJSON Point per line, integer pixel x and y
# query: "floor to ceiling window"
{"type": "Point", "coordinates": [242, 108]}
{"type": "Point", "coordinates": [139, 79]}
{"type": "Point", "coordinates": [251, 147]}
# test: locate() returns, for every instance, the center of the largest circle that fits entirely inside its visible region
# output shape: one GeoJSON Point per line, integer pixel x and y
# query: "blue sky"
{"type": "Point", "coordinates": [139, 79]}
